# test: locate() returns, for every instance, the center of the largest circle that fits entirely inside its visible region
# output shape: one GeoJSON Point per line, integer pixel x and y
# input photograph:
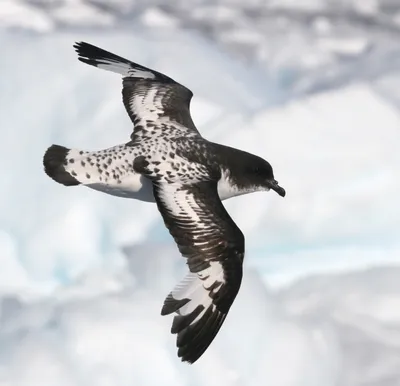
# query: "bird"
{"type": "Point", "coordinates": [168, 162]}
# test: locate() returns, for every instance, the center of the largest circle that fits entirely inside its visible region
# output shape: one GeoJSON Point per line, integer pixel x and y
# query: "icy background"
{"type": "Point", "coordinates": [312, 86]}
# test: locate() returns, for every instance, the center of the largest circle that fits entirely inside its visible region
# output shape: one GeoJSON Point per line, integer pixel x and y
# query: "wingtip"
{"type": "Point", "coordinates": [83, 48]}
{"type": "Point", "coordinates": [164, 311]}
{"type": "Point", "coordinates": [80, 46]}
{"type": "Point", "coordinates": [87, 53]}
{"type": "Point", "coordinates": [188, 361]}
{"type": "Point", "coordinates": [77, 45]}
{"type": "Point", "coordinates": [172, 305]}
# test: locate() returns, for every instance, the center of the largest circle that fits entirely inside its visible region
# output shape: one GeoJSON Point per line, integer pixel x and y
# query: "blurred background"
{"type": "Point", "coordinates": [313, 86]}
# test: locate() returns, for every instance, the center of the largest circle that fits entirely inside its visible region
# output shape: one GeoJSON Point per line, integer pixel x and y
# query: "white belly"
{"type": "Point", "coordinates": [226, 189]}
{"type": "Point", "coordinates": [132, 186]}
{"type": "Point", "coordinates": [140, 188]}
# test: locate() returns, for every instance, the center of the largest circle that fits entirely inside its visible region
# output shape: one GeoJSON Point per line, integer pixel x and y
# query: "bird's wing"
{"type": "Point", "coordinates": [214, 247]}
{"type": "Point", "coordinates": [154, 102]}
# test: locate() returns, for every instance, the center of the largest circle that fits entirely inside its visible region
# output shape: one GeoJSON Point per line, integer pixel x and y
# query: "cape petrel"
{"type": "Point", "coordinates": [167, 161]}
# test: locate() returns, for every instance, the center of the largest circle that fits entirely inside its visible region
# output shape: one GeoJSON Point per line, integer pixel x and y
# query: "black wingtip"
{"type": "Point", "coordinates": [90, 54]}
{"type": "Point", "coordinates": [194, 340]}
{"type": "Point", "coordinates": [172, 305]}
{"type": "Point", "coordinates": [97, 57]}
{"type": "Point", "coordinates": [80, 47]}
{"type": "Point", "coordinates": [53, 162]}
{"type": "Point", "coordinates": [77, 45]}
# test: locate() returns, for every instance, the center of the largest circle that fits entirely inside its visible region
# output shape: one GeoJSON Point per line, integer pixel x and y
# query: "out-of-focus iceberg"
{"type": "Point", "coordinates": [332, 330]}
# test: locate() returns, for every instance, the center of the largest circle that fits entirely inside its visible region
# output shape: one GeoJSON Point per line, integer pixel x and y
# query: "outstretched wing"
{"type": "Point", "coordinates": [214, 247]}
{"type": "Point", "coordinates": [153, 100]}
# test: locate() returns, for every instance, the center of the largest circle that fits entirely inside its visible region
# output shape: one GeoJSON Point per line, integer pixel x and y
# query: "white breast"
{"type": "Point", "coordinates": [226, 189]}
{"type": "Point", "coordinates": [140, 188]}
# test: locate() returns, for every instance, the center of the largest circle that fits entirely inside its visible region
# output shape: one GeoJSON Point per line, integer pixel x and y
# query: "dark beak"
{"type": "Point", "coordinates": [273, 184]}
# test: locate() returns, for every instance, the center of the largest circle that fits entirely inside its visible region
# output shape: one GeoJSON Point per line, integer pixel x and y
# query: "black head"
{"type": "Point", "coordinates": [247, 171]}
{"type": "Point", "coordinates": [255, 171]}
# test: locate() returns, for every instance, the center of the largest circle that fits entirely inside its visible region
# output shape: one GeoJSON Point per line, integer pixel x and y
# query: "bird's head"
{"type": "Point", "coordinates": [259, 173]}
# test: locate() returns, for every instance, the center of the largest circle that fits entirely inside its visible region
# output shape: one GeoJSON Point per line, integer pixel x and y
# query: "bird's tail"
{"type": "Point", "coordinates": [57, 164]}
{"type": "Point", "coordinates": [94, 169]}
{"type": "Point", "coordinates": [71, 167]}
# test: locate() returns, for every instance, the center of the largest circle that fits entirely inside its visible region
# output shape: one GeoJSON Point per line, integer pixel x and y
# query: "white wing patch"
{"type": "Point", "coordinates": [108, 61]}
{"type": "Point", "coordinates": [178, 202]}
{"type": "Point", "coordinates": [147, 106]}
{"type": "Point", "coordinates": [124, 69]}
{"type": "Point", "coordinates": [197, 287]}
{"type": "Point", "coordinates": [141, 74]}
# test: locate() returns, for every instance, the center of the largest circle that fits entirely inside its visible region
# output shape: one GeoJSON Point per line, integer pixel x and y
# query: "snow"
{"type": "Point", "coordinates": [84, 275]}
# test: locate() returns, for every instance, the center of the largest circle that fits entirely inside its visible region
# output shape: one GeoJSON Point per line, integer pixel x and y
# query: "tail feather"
{"type": "Point", "coordinates": [54, 162]}
{"type": "Point", "coordinates": [105, 170]}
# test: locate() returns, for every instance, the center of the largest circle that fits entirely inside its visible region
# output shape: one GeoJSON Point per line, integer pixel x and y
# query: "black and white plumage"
{"type": "Point", "coordinates": [167, 161]}
{"type": "Point", "coordinates": [214, 248]}
{"type": "Point", "coordinates": [149, 96]}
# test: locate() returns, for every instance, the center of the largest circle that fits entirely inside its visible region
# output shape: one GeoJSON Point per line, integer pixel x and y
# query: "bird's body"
{"type": "Point", "coordinates": [167, 161]}
{"type": "Point", "coordinates": [111, 170]}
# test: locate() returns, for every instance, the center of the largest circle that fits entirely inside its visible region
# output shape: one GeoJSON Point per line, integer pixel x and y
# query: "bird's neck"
{"type": "Point", "coordinates": [229, 161]}
{"type": "Point", "coordinates": [228, 187]}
